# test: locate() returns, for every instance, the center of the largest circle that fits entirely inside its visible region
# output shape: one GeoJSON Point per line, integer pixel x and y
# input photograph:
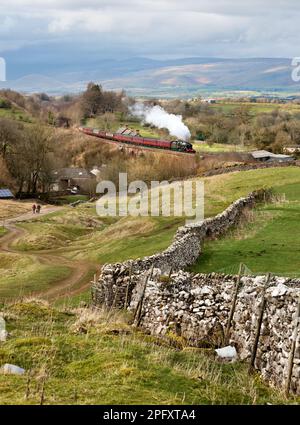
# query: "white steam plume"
{"type": "Point", "coordinates": [160, 118]}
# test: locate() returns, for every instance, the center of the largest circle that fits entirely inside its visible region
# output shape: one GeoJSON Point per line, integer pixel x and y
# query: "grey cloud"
{"type": "Point", "coordinates": [226, 28]}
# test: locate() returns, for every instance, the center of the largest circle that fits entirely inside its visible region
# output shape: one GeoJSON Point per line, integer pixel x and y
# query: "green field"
{"type": "Point", "coordinates": [267, 243]}
{"type": "Point", "coordinates": [84, 357]}
{"type": "Point", "coordinates": [255, 108]}
{"type": "Point", "coordinates": [218, 147]}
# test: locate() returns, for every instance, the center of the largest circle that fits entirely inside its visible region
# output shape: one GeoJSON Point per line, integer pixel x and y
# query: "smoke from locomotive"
{"type": "Point", "coordinates": [160, 118]}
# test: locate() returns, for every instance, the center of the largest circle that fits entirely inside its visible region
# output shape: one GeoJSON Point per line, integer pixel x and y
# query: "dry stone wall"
{"type": "Point", "coordinates": [112, 287]}
{"type": "Point", "coordinates": [196, 307]}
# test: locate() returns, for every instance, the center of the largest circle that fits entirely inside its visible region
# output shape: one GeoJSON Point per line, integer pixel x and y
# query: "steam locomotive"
{"type": "Point", "coordinates": [132, 137]}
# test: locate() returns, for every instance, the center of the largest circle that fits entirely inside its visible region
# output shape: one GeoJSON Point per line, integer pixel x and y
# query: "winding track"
{"type": "Point", "coordinates": [76, 282]}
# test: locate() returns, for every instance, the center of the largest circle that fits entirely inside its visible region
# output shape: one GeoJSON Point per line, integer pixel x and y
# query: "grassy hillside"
{"type": "Point", "coordinates": [80, 357]}
{"type": "Point", "coordinates": [79, 235]}
{"type": "Point", "coordinates": [85, 235]}
{"type": "Point", "coordinates": [265, 243]}
{"type": "Point", "coordinates": [14, 112]}
{"type": "Point", "coordinates": [20, 275]}
{"type": "Point", "coordinates": [11, 209]}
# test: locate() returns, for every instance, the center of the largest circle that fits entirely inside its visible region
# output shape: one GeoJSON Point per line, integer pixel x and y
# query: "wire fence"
{"type": "Point", "coordinates": [235, 268]}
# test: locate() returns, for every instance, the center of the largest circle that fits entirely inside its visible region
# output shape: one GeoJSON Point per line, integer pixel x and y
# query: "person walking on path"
{"type": "Point", "coordinates": [33, 209]}
{"type": "Point", "coordinates": [38, 209]}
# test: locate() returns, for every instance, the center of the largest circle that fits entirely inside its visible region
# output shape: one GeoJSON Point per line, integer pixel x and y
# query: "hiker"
{"type": "Point", "coordinates": [38, 208]}
{"type": "Point", "coordinates": [33, 209]}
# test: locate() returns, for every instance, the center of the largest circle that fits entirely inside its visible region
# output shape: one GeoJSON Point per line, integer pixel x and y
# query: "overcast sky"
{"type": "Point", "coordinates": [41, 32]}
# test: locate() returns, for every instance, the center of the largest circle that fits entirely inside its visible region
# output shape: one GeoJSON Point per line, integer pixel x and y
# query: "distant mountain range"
{"type": "Point", "coordinates": [170, 78]}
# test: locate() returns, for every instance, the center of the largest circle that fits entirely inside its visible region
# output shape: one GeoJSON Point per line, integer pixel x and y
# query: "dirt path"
{"type": "Point", "coordinates": [30, 216]}
{"type": "Point", "coordinates": [80, 272]}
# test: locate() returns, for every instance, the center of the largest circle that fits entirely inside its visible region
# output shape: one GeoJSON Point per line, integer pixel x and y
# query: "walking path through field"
{"type": "Point", "coordinates": [80, 272]}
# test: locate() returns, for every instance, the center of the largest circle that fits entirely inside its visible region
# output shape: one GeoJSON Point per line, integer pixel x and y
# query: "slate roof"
{"type": "Point", "coordinates": [266, 154]}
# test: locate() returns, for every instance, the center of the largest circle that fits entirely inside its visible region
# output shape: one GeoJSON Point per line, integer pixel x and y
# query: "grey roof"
{"type": "Point", "coordinates": [281, 156]}
{"type": "Point", "coordinates": [72, 173]}
{"type": "Point", "coordinates": [261, 154]}
{"type": "Point", "coordinates": [6, 193]}
{"type": "Point", "coordinates": [267, 154]}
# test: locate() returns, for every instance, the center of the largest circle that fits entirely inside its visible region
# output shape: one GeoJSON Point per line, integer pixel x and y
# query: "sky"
{"type": "Point", "coordinates": [48, 35]}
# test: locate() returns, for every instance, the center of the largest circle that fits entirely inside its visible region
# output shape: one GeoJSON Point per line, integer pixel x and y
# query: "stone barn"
{"type": "Point", "coordinates": [67, 178]}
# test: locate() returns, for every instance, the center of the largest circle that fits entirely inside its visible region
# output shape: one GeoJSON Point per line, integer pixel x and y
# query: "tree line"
{"type": "Point", "coordinates": [239, 125]}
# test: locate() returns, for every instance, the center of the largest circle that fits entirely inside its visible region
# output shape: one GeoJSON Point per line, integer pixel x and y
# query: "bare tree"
{"type": "Point", "coordinates": [9, 133]}
{"type": "Point", "coordinates": [31, 159]}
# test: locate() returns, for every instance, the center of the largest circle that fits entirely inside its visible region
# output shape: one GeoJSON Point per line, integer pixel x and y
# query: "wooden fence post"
{"type": "Point", "coordinates": [151, 271]}
{"type": "Point", "coordinates": [259, 323]}
{"type": "Point", "coordinates": [233, 305]}
{"type": "Point", "coordinates": [292, 352]}
{"type": "Point", "coordinates": [138, 311]}
{"type": "Point", "coordinates": [127, 288]}
{"type": "Point", "coordinates": [93, 286]}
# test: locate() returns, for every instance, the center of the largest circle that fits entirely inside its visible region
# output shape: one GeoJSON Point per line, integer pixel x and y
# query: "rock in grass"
{"type": "Point", "coordinates": [227, 353]}
{"type": "Point", "coordinates": [12, 369]}
{"type": "Point", "coordinates": [3, 332]}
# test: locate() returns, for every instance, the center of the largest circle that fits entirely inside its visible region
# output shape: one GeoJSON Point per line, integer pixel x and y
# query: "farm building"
{"type": "Point", "coordinates": [68, 178]}
{"type": "Point", "coordinates": [265, 156]}
{"type": "Point", "coordinates": [6, 194]}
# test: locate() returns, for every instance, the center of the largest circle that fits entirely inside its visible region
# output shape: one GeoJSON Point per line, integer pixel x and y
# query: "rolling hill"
{"type": "Point", "coordinates": [177, 77]}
